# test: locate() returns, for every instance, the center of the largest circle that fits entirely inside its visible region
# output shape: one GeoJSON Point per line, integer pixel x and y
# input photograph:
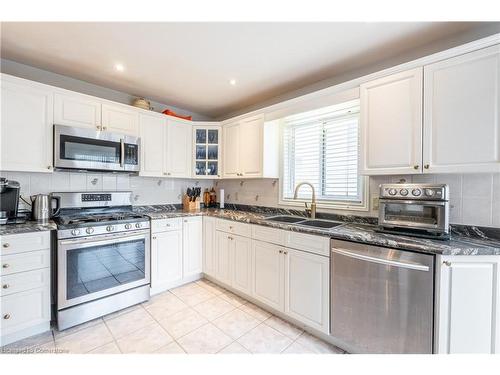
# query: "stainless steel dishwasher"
{"type": "Point", "coordinates": [382, 299]}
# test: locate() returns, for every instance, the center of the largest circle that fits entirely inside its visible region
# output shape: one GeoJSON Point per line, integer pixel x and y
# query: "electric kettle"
{"type": "Point", "coordinates": [41, 206]}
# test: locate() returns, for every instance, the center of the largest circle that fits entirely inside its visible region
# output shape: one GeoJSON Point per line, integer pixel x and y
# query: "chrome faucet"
{"type": "Point", "coordinates": [309, 211]}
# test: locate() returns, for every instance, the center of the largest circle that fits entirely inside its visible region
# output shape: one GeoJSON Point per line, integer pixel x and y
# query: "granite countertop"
{"type": "Point", "coordinates": [26, 227]}
{"type": "Point", "coordinates": [470, 241]}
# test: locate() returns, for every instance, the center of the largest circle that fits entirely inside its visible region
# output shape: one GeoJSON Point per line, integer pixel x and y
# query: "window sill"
{"type": "Point", "coordinates": [297, 203]}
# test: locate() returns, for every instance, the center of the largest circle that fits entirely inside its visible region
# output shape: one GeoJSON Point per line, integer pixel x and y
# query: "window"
{"type": "Point", "coordinates": [321, 147]}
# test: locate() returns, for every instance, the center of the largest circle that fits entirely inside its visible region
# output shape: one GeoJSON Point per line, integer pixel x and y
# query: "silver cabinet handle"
{"type": "Point", "coordinates": [154, 238]}
{"type": "Point", "coordinates": [6, 245]}
{"type": "Point", "coordinates": [426, 166]}
{"type": "Point", "coordinates": [104, 127]}
{"type": "Point", "coordinates": [122, 152]}
{"type": "Point", "coordinates": [285, 252]}
{"type": "Point", "coordinates": [167, 225]}
{"type": "Point", "coordinates": [6, 316]}
{"type": "Point", "coordinates": [447, 263]}
{"type": "Point", "coordinates": [416, 166]}
{"type": "Point", "coordinates": [6, 265]}
{"type": "Point", "coordinates": [281, 251]}
{"type": "Point", "coordinates": [5, 286]}
{"type": "Point", "coordinates": [413, 266]}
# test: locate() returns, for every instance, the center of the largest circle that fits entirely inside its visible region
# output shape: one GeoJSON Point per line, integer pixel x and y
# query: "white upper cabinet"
{"type": "Point", "coordinates": [207, 150]}
{"type": "Point", "coordinates": [118, 118]}
{"type": "Point", "coordinates": [231, 138]}
{"type": "Point", "coordinates": [462, 113]}
{"type": "Point", "coordinates": [391, 124]}
{"type": "Point", "coordinates": [178, 156]}
{"type": "Point", "coordinates": [152, 130]}
{"type": "Point", "coordinates": [26, 126]}
{"type": "Point", "coordinates": [250, 148]}
{"type": "Point", "coordinates": [77, 110]}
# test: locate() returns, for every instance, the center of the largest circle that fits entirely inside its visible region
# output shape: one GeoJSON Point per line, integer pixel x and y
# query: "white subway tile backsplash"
{"type": "Point", "coordinates": [109, 182]}
{"type": "Point", "coordinates": [78, 181]}
{"type": "Point", "coordinates": [475, 197]}
{"type": "Point", "coordinates": [476, 211]}
{"type": "Point", "coordinates": [61, 181]}
{"type": "Point", "coordinates": [42, 182]}
{"type": "Point", "coordinates": [477, 185]}
{"type": "Point", "coordinates": [122, 182]}
{"type": "Point", "coordinates": [94, 182]}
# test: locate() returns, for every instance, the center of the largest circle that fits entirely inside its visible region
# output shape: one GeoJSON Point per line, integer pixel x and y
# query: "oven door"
{"type": "Point", "coordinates": [414, 214]}
{"type": "Point", "coordinates": [86, 149]}
{"type": "Point", "coordinates": [94, 267]}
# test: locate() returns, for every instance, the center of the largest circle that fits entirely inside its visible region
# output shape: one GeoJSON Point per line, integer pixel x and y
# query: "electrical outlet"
{"type": "Point", "coordinates": [375, 203]}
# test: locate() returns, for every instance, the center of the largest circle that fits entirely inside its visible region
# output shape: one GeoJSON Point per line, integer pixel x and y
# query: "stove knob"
{"type": "Point", "coordinates": [128, 226]}
{"type": "Point", "coordinates": [392, 191]}
{"type": "Point", "coordinates": [75, 232]}
{"type": "Point", "coordinates": [89, 230]}
{"type": "Point", "coordinates": [138, 225]}
{"type": "Point", "coordinates": [416, 192]}
{"type": "Point", "coordinates": [110, 228]}
{"type": "Point", "coordinates": [403, 192]}
{"type": "Point", "coordinates": [429, 192]}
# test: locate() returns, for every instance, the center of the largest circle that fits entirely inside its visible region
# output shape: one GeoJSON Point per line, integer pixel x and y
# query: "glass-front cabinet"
{"type": "Point", "coordinates": [207, 151]}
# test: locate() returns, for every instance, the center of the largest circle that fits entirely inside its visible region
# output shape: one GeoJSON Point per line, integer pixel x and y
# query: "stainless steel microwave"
{"type": "Point", "coordinates": [87, 149]}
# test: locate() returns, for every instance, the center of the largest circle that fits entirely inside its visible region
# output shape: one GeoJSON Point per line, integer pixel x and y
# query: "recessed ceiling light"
{"type": "Point", "coordinates": [119, 67]}
{"type": "Point", "coordinates": [232, 82]}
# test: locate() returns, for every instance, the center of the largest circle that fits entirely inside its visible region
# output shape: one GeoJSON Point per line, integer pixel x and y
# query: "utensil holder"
{"type": "Point", "coordinates": [190, 206]}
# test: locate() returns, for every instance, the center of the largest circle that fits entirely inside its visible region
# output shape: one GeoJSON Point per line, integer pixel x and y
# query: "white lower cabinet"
{"type": "Point", "coordinates": [223, 269]}
{"type": "Point", "coordinates": [241, 249]}
{"type": "Point", "coordinates": [268, 274]}
{"type": "Point", "coordinates": [468, 297]}
{"type": "Point", "coordinates": [192, 244]}
{"type": "Point", "coordinates": [209, 246]}
{"type": "Point", "coordinates": [307, 296]}
{"type": "Point", "coordinates": [25, 285]}
{"type": "Point", "coordinates": [166, 260]}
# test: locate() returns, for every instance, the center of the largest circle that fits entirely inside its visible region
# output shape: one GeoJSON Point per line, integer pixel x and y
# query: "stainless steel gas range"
{"type": "Point", "coordinates": [103, 256]}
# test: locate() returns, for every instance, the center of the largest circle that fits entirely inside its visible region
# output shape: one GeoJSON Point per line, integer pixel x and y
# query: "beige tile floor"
{"type": "Point", "coordinates": [199, 317]}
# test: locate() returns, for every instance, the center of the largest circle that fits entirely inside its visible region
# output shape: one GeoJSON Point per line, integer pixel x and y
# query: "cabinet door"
{"type": "Point", "coordinates": [120, 119]}
{"type": "Point", "coordinates": [468, 296]}
{"type": "Point", "coordinates": [251, 146]}
{"type": "Point", "coordinates": [242, 263]}
{"type": "Point", "coordinates": [152, 131]}
{"type": "Point", "coordinates": [178, 155]}
{"type": "Point", "coordinates": [391, 124]}
{"type": "Point", "coordinates": [166, 259]}
{"type": "Point", "coordinates": [24, 310]}
{"type": "Point", "coordinates": [307, 278]}
{"type": "Point", "coordinates": [26, 131]}
{"type": "Point", "coordinates": [268, 274]}
{"type": "Point", "coordinates": [77, 110]}
{"type": "Point", "coordinates": [462, 113]}
{"type": "Point", "coordinates": [209, 249]}
{"type": "Point", "coordinates": [192, 244]}
{"type": "Point", "coordinates": [224, 256]}
{"type": "Point", "coordinates": [231, 152]}
{"type": "Point", "coordinates": [206, 151]}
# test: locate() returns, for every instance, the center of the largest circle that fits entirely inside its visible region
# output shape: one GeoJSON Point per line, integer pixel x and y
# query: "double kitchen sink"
{"type": "Point", "coordinates": [300, 221]}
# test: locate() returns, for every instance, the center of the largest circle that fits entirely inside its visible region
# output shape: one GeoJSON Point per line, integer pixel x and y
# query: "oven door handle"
{"type": "Point", "coordinates": [122, 152]}
{"type": "Point", "coordinates": [104, 237]}
{"type": "Point", "coordinates": [394, 263]}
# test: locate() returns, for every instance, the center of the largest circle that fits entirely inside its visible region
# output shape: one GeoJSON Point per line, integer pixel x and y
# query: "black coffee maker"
{"type": "Point", "coordinates": [9, 199]}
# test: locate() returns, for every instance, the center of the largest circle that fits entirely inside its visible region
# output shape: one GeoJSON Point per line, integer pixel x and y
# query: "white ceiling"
{"type": "Point", "coordinates": [190, 64]}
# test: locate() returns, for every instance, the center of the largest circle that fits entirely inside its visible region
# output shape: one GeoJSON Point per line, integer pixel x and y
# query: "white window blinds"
{"type": "Point", "coordinates": [321, 147]}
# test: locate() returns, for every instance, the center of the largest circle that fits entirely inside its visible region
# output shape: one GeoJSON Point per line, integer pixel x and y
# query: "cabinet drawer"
{"type": "Point", "coordinates": [234, 227]}
{"type": "Point", "coordinates": [163, 225]}
{"type": "Point", "coordinates": [19, 243]}
{"type": "Point", "coordinates": [20, 282]}
{"type": "Point", "coordinates": [308, 242]}
{"type": "Point", "coordinates": [15, 263]}
{"type": "Point", "coordinates": [267, 234]}
{"type": "Point", "coordinates": [22, 310]}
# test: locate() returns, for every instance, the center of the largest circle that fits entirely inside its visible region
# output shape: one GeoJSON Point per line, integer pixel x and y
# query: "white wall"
{"type": "Point", "coordinates": [49, 78]}
{"type": "Point", "coordinates": [146, 190]}
{"type": "Point", "coordinates": [475, 198]}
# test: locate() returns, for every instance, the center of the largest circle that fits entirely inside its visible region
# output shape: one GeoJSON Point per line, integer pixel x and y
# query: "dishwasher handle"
{"type": "Point", "coordinates": [387, 262]}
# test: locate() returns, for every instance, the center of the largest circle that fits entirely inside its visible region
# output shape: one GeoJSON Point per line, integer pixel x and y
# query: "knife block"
{"type": "Point", "coordinates": [190, 206]}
